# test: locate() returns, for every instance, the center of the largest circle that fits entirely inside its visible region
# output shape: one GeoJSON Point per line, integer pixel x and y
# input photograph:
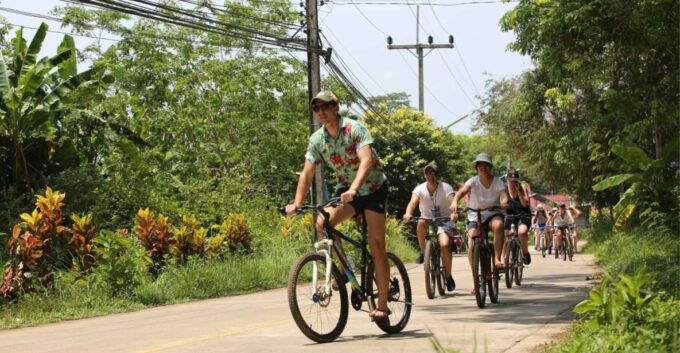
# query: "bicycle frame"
{"type": "Point", "coordinates": [325, 247]}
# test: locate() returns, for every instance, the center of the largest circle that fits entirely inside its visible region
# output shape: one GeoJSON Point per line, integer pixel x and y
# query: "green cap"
{"type": "Point", "coordinates": [326, 96]}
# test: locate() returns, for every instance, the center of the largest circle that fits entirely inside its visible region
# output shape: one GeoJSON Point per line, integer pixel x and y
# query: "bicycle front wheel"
{"type": "Point", "coordinates": [570, 248]}
{"type": "Point", "coordinates": [430, 267]}
{"type": "Point", "coordinates": [509, 265]}
{"type": "Point", "coordinates": [478, 276]}
{"type": "Point", "coordinates": [492, 283]}
{"type": "Point", "coordinates": [319, 312]}
{"type": "Point", "coordinates": [399, 299]}
{"type": "Point", "coordinates": [519, 264]}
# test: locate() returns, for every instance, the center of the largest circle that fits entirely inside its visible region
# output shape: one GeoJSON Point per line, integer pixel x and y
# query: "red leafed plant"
{"type": "Point", "coordinates": [155, 236]}
{"type": "Point", "coordinates": [82, 232]}
{"type": "Point", "coordinates": [31, 247]}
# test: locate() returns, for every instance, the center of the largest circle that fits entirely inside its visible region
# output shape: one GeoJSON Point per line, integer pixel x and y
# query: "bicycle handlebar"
{"type": "Point", "coordinates": [333, 202]}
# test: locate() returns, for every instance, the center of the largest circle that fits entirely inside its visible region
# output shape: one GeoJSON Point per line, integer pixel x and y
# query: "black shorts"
{"type": "Point", "coordinates": [375, 201]}
{"type": "Point", "coordinates": [485, 222]}
{"type": "Point", "coordinates": [521, 220]}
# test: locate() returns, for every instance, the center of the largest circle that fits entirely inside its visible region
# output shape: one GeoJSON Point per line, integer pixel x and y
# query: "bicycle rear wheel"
{"type": "Point", "coordinates": [519, 264]}
{"type": "Point", "coordinates": [495, 276]}
{"type": "Point", "coordinates": [509, 264]}
{"type": "Point", "coordinates": [478, 277]}
{"type": "Point", "coordinates": [321, 316]}
{"type": "Point", "coordinates": [430, 266]}
{"type": "Point", "coordinates": [398, 297]}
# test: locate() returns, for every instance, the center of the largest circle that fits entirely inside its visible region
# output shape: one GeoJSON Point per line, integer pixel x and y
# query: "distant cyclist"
{"type": "Point", "coordinates": [518, 204]}
{"type": "Point", "coordinates": [575, 213]}
{"type": "Point", "coordinates": [539, 221]}
{"type": "Point", "coordinates": [562, 219]}
{"type": "Point", "coordinates": [433, 199]}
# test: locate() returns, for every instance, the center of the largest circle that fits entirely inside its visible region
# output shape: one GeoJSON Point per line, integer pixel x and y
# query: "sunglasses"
{"type": "Point", "coordinates": [325, 106]}
{"type": "Point", "coordinates": [431, 172]}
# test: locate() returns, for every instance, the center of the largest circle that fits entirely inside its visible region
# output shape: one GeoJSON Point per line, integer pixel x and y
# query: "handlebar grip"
{"type": "Point", "coordinates": [282, 210]}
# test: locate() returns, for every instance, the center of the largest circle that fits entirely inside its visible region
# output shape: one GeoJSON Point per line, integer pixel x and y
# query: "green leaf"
{"type": "Point", "coordinates": [633, 155]}
{"type": "Point", "coordinates": [34, 49]}
{"type": "Point", "coordinates": [625, 214]}
{"type": "Point", "coordinates": [612, 181]}
{"type": "Point", "coordinates": [69, 67]}
{"type": "Point", "coordinates": [4, 78]}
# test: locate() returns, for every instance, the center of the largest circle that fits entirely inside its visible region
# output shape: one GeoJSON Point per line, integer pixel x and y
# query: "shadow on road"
{"type": "Point", "coordinates": [404, 335]}
{"type": "Point", "coordinates": [538, 300]}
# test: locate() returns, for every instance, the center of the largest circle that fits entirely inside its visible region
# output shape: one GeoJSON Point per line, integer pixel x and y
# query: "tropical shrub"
{"type": "Point", "coordinates": [155, 236]}
{"type": "Point", "coordinates": [189, 239]}
{"type": "Point", "coordinates": [35, 245]}
{"type": "Point", "coordinates": [235, 232]}
{"type": "Point", "coordinates": [82, 233]}
{"type": "Point", "coordinates": [121, 262]}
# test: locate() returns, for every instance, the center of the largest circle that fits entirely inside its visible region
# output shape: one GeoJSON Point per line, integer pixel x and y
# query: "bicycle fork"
{"type": "Point", "coordinates": [324, 247]}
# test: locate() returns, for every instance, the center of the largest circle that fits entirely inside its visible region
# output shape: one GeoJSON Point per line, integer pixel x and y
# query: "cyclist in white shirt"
{"type": "Point", "coordinates": [485, 191]}
{"type": "Point", "coordinates": [433, 199]}
{"type": "Point", "coordinates": [561, 219]}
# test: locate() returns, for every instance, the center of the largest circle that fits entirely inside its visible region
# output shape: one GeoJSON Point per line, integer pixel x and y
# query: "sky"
{"type": "Point", "coordinates": [357, 31]}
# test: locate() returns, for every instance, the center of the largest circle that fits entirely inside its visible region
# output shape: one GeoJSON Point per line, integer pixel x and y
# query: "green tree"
{"type": "Point", "coordinates": [32, 91]}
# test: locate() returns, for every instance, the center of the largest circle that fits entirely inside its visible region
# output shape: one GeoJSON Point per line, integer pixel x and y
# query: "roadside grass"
{"type": "Point", "coordinates": [266, 267]}
{"type": "Point", "coordinates": [637, 307]}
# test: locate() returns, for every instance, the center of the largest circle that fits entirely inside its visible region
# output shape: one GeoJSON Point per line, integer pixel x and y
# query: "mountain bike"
{"type": "Point", "coordinates": [317, 295]}
{"type": "Point", "coordinates": [571, 242]}
{"type": "Point", "coordinates": [514, 257]}
{"type": "Point", "coordinates": [564, 246]}
{"type": "Point", "coordinates": [484, 272]}
{"type": "Point", "coordinates": [435, 274]}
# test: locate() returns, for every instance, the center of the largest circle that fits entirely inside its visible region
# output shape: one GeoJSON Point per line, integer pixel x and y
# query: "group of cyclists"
{"type": "Point", "coordinates": [346, 147]}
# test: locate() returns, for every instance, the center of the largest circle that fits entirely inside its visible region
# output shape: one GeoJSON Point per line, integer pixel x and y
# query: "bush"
{"type": "Point", "coordinates": [121, 262]}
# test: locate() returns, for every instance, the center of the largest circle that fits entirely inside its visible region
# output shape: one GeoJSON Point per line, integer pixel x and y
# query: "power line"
{"type": "Point", "coordinates": [407, 3]}
{"type": "Point", "coordinates": [69, 33]}
{"type": "Point", "coordinates": [456, 80]}
{"type": "Point", "coordinates": [457, 51]}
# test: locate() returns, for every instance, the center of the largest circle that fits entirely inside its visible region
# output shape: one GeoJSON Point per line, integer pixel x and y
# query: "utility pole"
{"type": "Point", "coordinates": [314, 86]}
{"type": "Point", "coordinates": [419, 54]}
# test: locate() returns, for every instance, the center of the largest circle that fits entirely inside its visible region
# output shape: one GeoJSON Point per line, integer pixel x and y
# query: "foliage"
{"type": "Point", "coordinates": [408, 143]}
{"type": "Point", "coordinates": [648, 193]}
{"type": "Point", "coordinates": [189, 239]}
{"type": "Point", "coordinates": [155, 235]}
{"type": "Point", "coordinates": [32, 91]}
{"type": "Point", "coordinates": [35, 246]}
{"type": "Point", "coordinates": [235, 233]}
{"type": "Point", "coordinates": [604, 76]}
{"type": "Point", "coordinates": [121, 262]}
{"type": "Point", "coordinates": [82, 232]}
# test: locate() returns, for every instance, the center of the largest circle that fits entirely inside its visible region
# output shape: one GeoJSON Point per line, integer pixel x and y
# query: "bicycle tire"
{"type": "Point", "coordinates": [519, 261]}
{"type": "Point", "coordinates": [478, 278]}
{"type": "Point", "coordinates": [543, 249]}
{"type": "Point", "coordinates": [395, 294]}
{"type": "Point", "coordinates": [441, 273]}
{"type": "Point", "coordinates": [508, 266]}
{"type": "Point", "coordinates": [430, 268]}
{"type": "Point", "coordinates": [563, 250]}
{"type": "Point", "coordinates": [293, 282]}
{"type": "Point", "coordinates": [495, 276]}
{"type": "Point", "coordinates": [570, 249]}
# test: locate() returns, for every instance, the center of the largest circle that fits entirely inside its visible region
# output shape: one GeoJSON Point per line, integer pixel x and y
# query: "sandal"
{"type": "Point", "coordinates": [380, 318]}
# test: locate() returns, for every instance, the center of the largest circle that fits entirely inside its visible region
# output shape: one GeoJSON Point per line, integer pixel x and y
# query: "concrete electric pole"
{"type": "Point", "coordinates": [419, 54]}
{"type": "Point", "coordinates": [314, 86]}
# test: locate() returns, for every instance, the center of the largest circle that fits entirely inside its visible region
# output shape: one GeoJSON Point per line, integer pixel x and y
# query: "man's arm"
{"type": "Point", "coordinates": [304, 182]}
{"type": "Point", "coordinates": [411, 206]}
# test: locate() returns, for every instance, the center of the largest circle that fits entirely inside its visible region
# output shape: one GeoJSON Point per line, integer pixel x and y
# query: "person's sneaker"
{"type": "Point", "coordinates": [419, 260]}
{"type": "Point", "coordinates": [450, 284]}
{"type": "Point", "coordinates": [527, 259]}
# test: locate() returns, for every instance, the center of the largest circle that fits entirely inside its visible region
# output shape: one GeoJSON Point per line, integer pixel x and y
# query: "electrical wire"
{"type": "Point", "coordinates": [407, 3]}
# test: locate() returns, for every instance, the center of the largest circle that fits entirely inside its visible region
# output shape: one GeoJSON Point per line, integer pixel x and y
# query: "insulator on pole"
{"type": "Point", "coordinates": [389, 40]}
{"type": "Point", "coordinates": [430, 40]}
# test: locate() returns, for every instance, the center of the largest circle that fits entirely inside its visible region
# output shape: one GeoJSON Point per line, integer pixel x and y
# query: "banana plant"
{"type": "Point", "coordinates": [645, 179]}
{"type": "Point", "coordinates": [32, 91]}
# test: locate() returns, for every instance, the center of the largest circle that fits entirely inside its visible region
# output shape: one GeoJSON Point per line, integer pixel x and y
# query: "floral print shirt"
{"type": "Point", "coordinates": [340, 154]}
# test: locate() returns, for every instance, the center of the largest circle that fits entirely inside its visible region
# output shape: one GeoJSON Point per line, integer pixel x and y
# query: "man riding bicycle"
{"type": "Point", "coordinates": [344, 145]}
{"type": "Point", "coordinates": [485, 191]}
{"type": "Point", "coordinates": [433, 199]}
{"type": "Point", "coordinates": [518, 204]}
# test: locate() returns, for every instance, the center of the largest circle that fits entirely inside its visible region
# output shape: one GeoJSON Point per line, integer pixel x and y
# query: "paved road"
{"type": "Point", "coordinates": [524, 317]}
